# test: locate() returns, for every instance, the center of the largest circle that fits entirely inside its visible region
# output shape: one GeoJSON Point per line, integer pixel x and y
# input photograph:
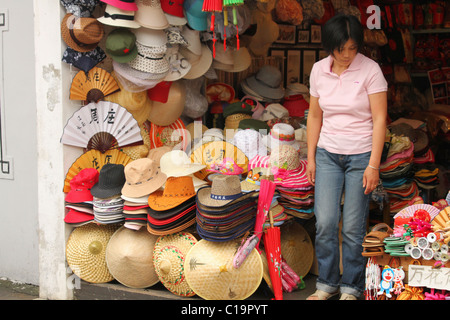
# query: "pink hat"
{"type": "Point", "coordinates": [127, 5]}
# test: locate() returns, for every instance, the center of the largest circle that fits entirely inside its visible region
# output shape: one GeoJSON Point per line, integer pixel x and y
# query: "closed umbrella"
{"type": "Point", "coordinates": [272, 248]}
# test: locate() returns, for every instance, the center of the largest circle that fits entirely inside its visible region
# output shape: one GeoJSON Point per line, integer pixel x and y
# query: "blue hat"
{"type": "Point", "coordinates": [196, 18]}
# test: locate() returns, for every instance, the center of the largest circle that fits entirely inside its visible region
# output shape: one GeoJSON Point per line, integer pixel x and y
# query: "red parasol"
{"type": "Point", "coordinates": [273, 253]}
{"type": "Point", "coordinates": [213, 6]}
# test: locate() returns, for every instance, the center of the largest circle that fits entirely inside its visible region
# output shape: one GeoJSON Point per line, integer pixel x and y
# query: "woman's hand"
{"type": "Point", "coordinates": [311, 172]}
{"type": "Point", "coordinates": [371, 178]}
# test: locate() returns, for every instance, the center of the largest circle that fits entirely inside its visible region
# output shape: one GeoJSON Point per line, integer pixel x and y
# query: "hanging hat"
{"type": "Point", "coordinates": [127, 5]}
{"type": "Point", "coordinates": [85, 252]}
{"type": "Point", "coordinates": [296, 105]}
{"type": "Point", "coordinates": [129, 256]}
{"type": "Point", "coordinates": [166, 113]}
{"type": "Point", "coordinates": [170, 263]}
{"type": "Point", "coordinates": [253, 180]}
{"type": "Point", "coordinates": [173, 135]}
{"type": "Point", "coordinates": [210, 273]}
{"type": "Point", "coordinates": [196, 104]}
{"type": "Point", "coordinates": [196, 18]}
{"type": "Point", "coordinates": [143, 176]}
{"type": "Point", "coordinates": [192, 38]}
{"type": "Point", "coordinates": [179, 66]}
{"type": "Point", "coordinates": [84, 61]}
{"type": "Point", "coordinates": [121, 45]}
{"type": "Point", "coordinates": [117, 17]}
{"type": "Point", "coordinates": [174, 12]}
{"type": "Point", "coordinates": [225, 190]}
{"type": "Point", "coordinates": [134, 80]}
{"type": "Point", "coordinates": [282, 134]}
{"type": "Point", "coordinates": [176, 163]}
{"type": "Point", "coordinates": [176, 191]}
{"type": "Point", "coordinates": [151, 46]}
{"type": "Point", "coordinates": [219, 92]}
{"type": "Point", "coordinates": [232, 60]}
{"type": "Point", "coordinates": [274, 111]}
{"type": "Point", "coordinates": [80, 33]}
{"type": "Point", "coordinates": [80, 8]}
{"type": "Point", "coordinates": [81, 185]}
{"type": "Point", "coordinates": [200, 64]}
{"type": "Point", "coordinates": [150, 15]}
{"type": "Point", "coordinates": [267, 82]}
{"type": "Point", "coordinates": [110, 181]}
{"type": "Point", "coordinates": [267, 32]}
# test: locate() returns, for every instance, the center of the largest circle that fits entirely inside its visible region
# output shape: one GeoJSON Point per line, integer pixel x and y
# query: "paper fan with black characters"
{"type": "Point", "coordinates": [102, 126]}
{"type": "Point", "coordinates": [95, 159]}
{"type": "Point", "coordinates": [92, 86]}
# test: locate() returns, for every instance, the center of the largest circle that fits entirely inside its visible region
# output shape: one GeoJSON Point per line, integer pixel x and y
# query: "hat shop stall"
{"type": "Point", "coordinates": [190, 117]}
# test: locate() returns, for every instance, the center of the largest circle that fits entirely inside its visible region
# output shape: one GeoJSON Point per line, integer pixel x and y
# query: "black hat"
{"type": "Point", "coordinates": [110, 181]}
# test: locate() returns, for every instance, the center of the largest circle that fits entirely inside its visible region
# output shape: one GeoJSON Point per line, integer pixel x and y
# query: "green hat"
{"type": "Point", "coordinates": [121, 45]}
{"type": "Point", "coordinates": [237, 107]}
{"type": "Point", "coordinates": [254, 124]}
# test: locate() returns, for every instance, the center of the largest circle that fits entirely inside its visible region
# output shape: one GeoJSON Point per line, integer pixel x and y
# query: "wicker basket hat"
{"type": "Point", "coordinates": [129, 256]}
{"type": "Point", "coordinates": [169, 261]}
{"type": "Point", "coordinates": [85, 252]}
{"type": "Point", "coordinates": [210, 273]}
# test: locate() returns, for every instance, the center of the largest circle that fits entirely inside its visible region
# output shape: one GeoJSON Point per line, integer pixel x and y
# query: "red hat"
{"type": "Point", "coordinates": [77, 217]}
{"type": "Point", "coordinates": [296, 105]}
{"type": "Point", "coordinates": [81, 184]}
{"type": "Point", "coordinates": [160, 92]}
{"type": "Point", "coordinates": [173, 7]}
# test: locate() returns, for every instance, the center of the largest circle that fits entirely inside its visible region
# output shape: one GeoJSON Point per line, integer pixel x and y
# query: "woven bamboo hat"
{"type": "Point", "coordinates": [85, 252]}
{"type": "Point", "coordinates": [169, 256]}
{"type": "Point", "coordinates": [210, 273]}
{"type": "Point", "coordinates": [129, 256]}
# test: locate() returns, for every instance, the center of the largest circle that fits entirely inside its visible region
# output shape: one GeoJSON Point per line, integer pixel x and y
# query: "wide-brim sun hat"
{"type": "Point", "coordinates": [86, 249]}
{"type": "Point", "coordinates": [129, 257]}
{"type": "Point", "coordinates": [176, 191]}
{"type": "Point", "coordinates": [210, 273]}
{"type": "Point", "coordinates": [166, 113]}
{"type": "Point", "coordinates": [176, 163]}
{"type": "Point", "coordinates": [169, 260]}
{"type": "Point", "coordinates": [143, 177]}
{"type": "Point", "coordinates": [200, 64]}
{"type": "Point", "coordinates": [82, 34]}
{"type": "Point", "coordinates": [267, 82]}
{"type": "Point", "coordinates": [117, 17]}
{"type": "Point", "coordinates": [241, 60]}
{"type": "Point", "coordinates": [150, 15]}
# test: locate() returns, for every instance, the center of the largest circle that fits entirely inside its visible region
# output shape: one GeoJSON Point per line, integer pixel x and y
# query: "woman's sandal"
{"type": "Point", "coordinates": [377, 235]}
{"type": "Point", "coordinates": [321, 295]}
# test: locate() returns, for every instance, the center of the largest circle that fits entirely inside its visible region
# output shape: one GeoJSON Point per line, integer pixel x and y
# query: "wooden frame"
{"type": "Point", "coordinates": [316, 33]}
{"type": "Point", "coordinates": [287, 34]}
{"type": "Point", "coordinates": [293, 65]}
{"type": "Point", "coordinates": [303, 36]}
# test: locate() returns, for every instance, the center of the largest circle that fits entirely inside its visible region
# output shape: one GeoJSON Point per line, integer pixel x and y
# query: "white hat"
{"type": "Point", "coordinates": [114, 16]}
{"type": "Point", "coordinates": [192, 37]}
{"type": "Point", "coordinates": [150, 15]}
{"type": "Point", "coordinates": [282, 134]}
{"type": "Point", "coordinates": [200, 64]}
{"type": "Point", "coordinates": [176, 163]}
{"type": "Point", "coordinates": [274, 111]}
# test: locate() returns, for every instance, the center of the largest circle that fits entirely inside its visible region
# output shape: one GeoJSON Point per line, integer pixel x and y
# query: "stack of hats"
{"type": "Point", "coordinates": [79, 198]}
{"type": "Point", "coordinates": [266, 84]}
{"type": "Point", "coordinates": [224, 212]}
{"type": "Point", "coordinates": [172, 209]}
{"type": "Point", "coordinates": [142, 177]}
{"type": "Point", "coordinates": [235, 112]}
{"type": "Point", "coordinates": [425, 170]}
{"type": "Point", "coordinates": [296, 194]}
{"type": "Point", "coordinates": [107, 202]}
{"type": "Point", "coordinates": [250, 137]}
{"type": "Point", "coordinates": [282, 134]}
{"type": "Point", "coordinates": [135, 214]}
{"type": "Point", "coordinates": [396, 171]}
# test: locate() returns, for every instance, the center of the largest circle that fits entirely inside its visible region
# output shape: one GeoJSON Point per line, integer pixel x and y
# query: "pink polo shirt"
{"type": "Point", "coordinates": [347, 119]}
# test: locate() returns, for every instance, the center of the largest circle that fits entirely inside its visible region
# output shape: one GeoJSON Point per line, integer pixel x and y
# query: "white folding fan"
{"type": "Point", "coordinates": [101, 126]}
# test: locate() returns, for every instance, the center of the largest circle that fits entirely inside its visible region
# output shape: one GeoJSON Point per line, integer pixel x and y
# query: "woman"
{"type": "Point", "coordinates": [345, 133]}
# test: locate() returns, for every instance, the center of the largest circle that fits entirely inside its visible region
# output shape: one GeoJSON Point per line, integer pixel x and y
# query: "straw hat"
{"type": "Point", "coordinates": [225, 190]}
{"type": "Point", "coordinates": [211, 275]}
{"type": "Point", "coordinates": [176, 191]}
{"type": "Point", "coordinates": [177, 163]}
{"type": "Point", "coordinates": [253, 180]}
{"type": "Point", "coordinates": [200, 64]}
{"type": "Point", "coordinates": [169, 261]}
{"type": "Point", "coordinates": [282, 134]}
{"type": "Point", "coordinates": [166, 113]}
{"type": "Point", "coordinates": [143, 176]}
{"type": "Point", "coordinates": [81, 33]}
{"type": "Point", "coordinates": [85, 252]}
{"type": "Point", "coordinates": [129, 256]}
{"type": "Point", "coordinates": [150, 15]}
{"type": "Point", "coordinates": [232, 60]}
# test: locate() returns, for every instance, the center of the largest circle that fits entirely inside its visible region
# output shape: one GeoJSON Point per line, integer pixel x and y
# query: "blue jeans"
{"type": "Point", "coordinates": [337, 174]}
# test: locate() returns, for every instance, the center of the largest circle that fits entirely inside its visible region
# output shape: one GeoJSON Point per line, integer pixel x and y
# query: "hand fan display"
{"type": "Point", "coordinates": [95, 159]}
{"type": "Point", "coordinates": [410, 210]}
{"type": "Point", "coordinates": [92, 86]}
{"type": "Point", "coordinates": [101, 126]}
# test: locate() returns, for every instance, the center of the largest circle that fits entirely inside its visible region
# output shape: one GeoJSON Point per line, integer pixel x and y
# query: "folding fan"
{"type": "Point", "coordinates": [95, 159]}
{"type": "Point", "coordinates": [409, 211]}
{"type": "Point", "coordinates": [215, 153]}
{"type": "Point", "coordinates": [102, 126]}
{"type": "Point", "coordinates": [93, 85]}
{"type": "Point", "coordinates": [173, 135]}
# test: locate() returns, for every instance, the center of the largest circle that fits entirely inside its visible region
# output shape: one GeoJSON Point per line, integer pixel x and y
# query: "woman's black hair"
{"type": "Point", "coordinates": [339, 29]}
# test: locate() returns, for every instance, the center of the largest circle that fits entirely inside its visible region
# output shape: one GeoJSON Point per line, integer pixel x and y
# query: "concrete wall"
{"type": "Point", "coordinates": [19, 253]}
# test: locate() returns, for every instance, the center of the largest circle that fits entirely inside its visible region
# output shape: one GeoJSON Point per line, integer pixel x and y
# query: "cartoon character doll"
{"type": "Point", "coordinates": [387, 276]}
{"type": "Point", "coordinates": [399, 275]}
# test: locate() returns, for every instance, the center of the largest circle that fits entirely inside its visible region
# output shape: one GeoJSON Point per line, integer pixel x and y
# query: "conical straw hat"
{"type": "Point", "coordinates": [210, 273]}
{"type": "Point", "coordinates": [85, 252]}
{"type": "Point", "coordinates": [169, 256]}
{"type": "Point", "coordinates": [129, 256]}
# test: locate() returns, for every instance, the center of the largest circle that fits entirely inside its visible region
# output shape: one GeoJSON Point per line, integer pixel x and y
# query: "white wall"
{"type": "Point", "coordinates": [19, 253]}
